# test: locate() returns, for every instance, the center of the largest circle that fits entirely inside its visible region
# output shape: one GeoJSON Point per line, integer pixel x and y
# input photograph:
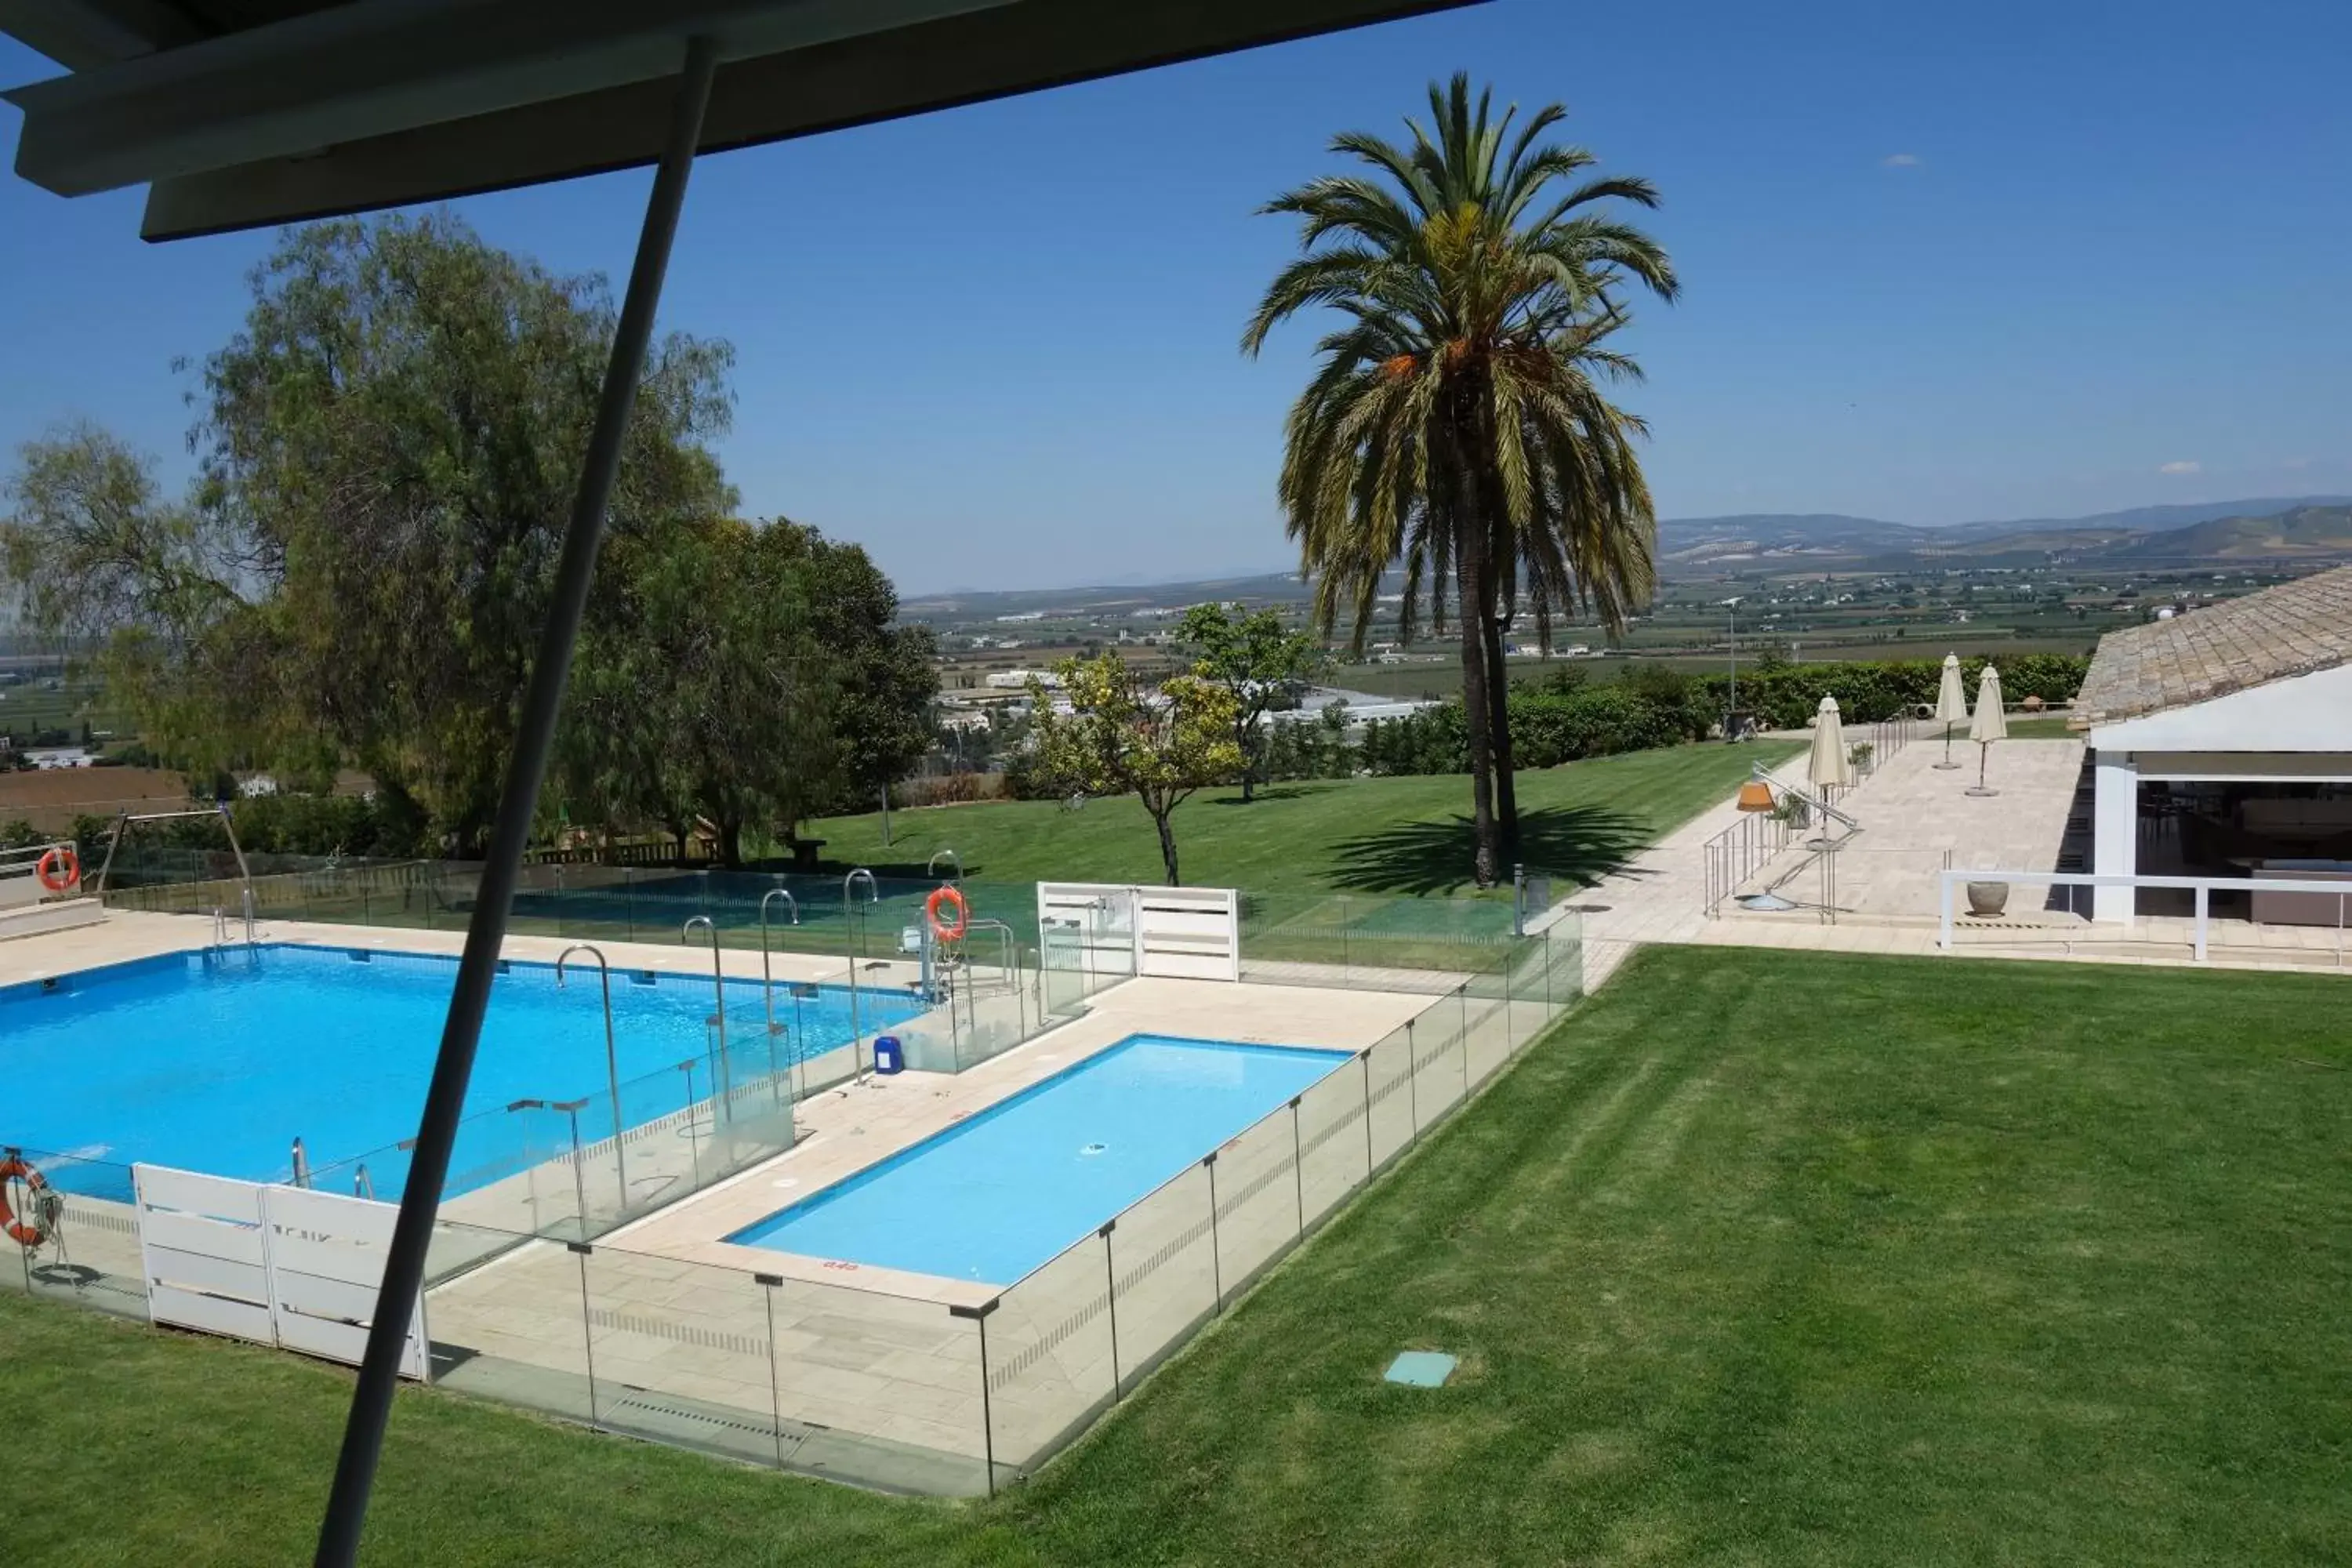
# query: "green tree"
{"type": "Point", "coordinates": [714, 699]}
{"type": "Point", "coordinates": [394, 438]}
{"type": "Point", "coordinates": [1261, 663]}
{"type": "Point", "coordinates": [389, 449]}
{"type": "Point", "coordinates": [1121, 737]}
{"type": "Point", "coordinates": [884, 677]}
{"type": "Point", "coordinates": [1457, 424]}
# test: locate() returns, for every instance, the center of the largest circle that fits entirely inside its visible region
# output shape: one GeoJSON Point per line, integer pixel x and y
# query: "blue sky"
{"type": "Point", "coordinates": [1941, 264]}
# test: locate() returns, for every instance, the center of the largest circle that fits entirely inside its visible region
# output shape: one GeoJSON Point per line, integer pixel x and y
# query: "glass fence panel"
{"type": "Point", "coordinates": [87, 1229]}
{"type": "Point", "coordinates": [879, 1389]}
{"type": "Point", "coordinates": [1049, 1358]}
{"type": "Point", "coordinates": [1389, 1077]}
{"type": "Point", "coordinates": [1437, 1080]}
{"type": "Point", "coordinates": [1258, 1201]}
{"type": "Point", "coordinates": [682, 1353]}
{"type": "Point", "coordinates": [1497, 1028]}
{"type": "Point", "coordinates": [1164, 1261]}
{"type": "Point", "coordinates": [1336, 1158]}
{"type": "Point", "coordinates": [517, 1332]}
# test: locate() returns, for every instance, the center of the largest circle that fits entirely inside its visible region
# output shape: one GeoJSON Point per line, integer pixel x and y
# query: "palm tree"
{"type": "Point", "coordinates": [1455, 425]}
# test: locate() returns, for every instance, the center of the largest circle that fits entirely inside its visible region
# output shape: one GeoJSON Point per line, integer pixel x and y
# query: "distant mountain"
{"type": "Point", "coordinates": [2304, 529]}
{"type": "Point", "coordinates": [2300, 532]}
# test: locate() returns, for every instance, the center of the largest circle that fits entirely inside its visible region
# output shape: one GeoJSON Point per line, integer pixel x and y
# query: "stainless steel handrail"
{"type": "Point", "coordinates": [874, 890]}
{"type": "Point", "coordinates": [768, 981]}
{"type": "Point", "coordinates": [722, 1081]}
{"type": "Point", "coordinates": [930, 867]}
{"type": "Point", "coordinates": [612, 1059]}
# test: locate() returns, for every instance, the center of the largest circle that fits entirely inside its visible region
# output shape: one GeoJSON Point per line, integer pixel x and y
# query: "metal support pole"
{"type": "Point", "coordinates": [362, 1447]}
{"type": "Point", "coordinates": [1217, 1260]}
{"type": "Point", "coordinates": [1297, 1166]}
{"type": "Point", "coordinates": [1366, 1059]}
{"type": "Point", "coordinates": [979, 1315]}
{"type": "Point", "coordinates": [769, 1284]}
{"type": "Point", "coordinates": [1110, 1296]}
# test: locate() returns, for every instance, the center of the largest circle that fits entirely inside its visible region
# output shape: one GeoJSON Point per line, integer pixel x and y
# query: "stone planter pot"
{"type": "Point", "coordinates": [1987, 899]}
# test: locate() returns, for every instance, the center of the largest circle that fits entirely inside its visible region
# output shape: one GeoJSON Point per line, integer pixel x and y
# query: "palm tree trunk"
{"type": "Point", "coordinates": [1476, 715]}
{"type": "Point", "coordinates": [1499, 721]}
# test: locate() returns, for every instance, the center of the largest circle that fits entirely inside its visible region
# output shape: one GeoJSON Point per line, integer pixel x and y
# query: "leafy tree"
{"type": "Point", "coordinates": [1263, 664]}
{"type": "Point", "coordinates": [712, 699]}
{"type": "Point", "coordinates": [1457, 424]}
{"type": "Point", "coordinates": [885, 676]}
{"type": "Point", "coordinates": [1120, 736]}
{"type": "Point", "coordinates": [394, 440]}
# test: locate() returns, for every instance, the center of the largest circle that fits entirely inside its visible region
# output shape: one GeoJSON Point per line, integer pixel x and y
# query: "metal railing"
{"type": "Point", "coordinates": [2202, 889]}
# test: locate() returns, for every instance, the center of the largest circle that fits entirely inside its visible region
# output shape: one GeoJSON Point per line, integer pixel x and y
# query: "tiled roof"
{"type": "Point", "coordinates": [2292, 630]}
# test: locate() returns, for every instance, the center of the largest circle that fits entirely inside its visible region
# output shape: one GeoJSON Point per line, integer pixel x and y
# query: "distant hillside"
{"type": "Point", "coordinates": [2301, 532]}
{"type": "Point", "coordinates": [2312, 528]}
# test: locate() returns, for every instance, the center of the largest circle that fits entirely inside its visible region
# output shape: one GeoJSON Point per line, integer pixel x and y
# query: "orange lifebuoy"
{"type": "Point", "coordinates": [962, 913]}
{"type": "Point", "coordinates": [23, 1232]}
{"type": "Point", "coordinates": [60, 868]}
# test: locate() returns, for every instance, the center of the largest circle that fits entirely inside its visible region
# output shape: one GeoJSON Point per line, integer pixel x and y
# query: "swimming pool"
{"type": "Point", "coordinates": [216, 1061]}
{"type": "Point", "coordinates": [1002, 1192]}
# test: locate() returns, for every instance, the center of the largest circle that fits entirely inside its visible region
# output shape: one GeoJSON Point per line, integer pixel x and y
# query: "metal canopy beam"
{"type": "Point", "coordinates": [385, 102]}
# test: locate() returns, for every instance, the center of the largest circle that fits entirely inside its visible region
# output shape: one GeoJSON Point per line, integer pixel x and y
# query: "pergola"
{"type": "Point", "coordinates": [241, 113]}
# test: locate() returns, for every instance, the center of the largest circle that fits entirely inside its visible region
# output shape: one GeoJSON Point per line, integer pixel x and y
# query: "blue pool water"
{"type": "Point", "coordinates": [996, 1195]}
{"type": "Point", "coordinates": [217, 1062]}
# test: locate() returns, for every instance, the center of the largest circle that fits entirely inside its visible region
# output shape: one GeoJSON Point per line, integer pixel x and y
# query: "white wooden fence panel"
{"type": "Point", "coordinates": [1192, 933]}
{"type": "Point", "coordinates": [281, 1266]}
{"type": "Point", "coordinates": [195, 1233]}
{"type": "Point", "coordinates": [212, 1314]}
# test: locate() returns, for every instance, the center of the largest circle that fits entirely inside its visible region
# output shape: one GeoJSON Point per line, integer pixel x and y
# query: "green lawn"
{"type": "Point", "coordinates": [1382, 836]}
{"type": "Point", "coordinates": [1761, 1258]}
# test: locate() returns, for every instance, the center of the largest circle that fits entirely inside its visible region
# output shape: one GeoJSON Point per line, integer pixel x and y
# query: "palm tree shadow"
{"type": "Point", "coordinates": [1580, 843]}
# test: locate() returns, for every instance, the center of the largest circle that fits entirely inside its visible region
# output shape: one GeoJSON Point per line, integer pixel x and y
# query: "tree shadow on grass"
{"type": "Point", "coordinates": [1581, 843]}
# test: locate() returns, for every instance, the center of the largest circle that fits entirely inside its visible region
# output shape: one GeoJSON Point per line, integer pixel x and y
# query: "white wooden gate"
{"type": "Point", "coordinates": [1189, 933]}
{"type": "Point", "coordinates": [276, 1265]}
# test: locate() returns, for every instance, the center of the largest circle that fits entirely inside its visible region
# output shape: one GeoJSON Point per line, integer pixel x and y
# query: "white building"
{"type": "Point", "coordinates": [2221, 744]}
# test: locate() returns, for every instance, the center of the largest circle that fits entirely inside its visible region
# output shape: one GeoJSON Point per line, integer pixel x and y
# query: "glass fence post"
{"type": "Point", "coordinates": [1297, 1166]}
{"type": "Point", "coordinates": [979, 1316]}
{"type": "Point", "coordinates": [1343, 935]}
{"type": "Point", "coordinates": [1366, 1058]}
{"type": "Point", "coordinates": [1413, 1079]}
{"type": "Point", "coordinates": [629, 899]}
{"type": "Point", "coordinates": [769, 1284]}
{"type": "Point", "coordinates": [580, 1250]}
{"type": "Point", "coordinates": [1110, 1283]}
{"type": "Point", "coordinates": [560, 930]}
{"type": "Point", "coordinates": [1465, 1032]}
{"type": "Point", "coordinates": [1216, 1259]}
{"type": "Point", "coordinates": [693, 1143]}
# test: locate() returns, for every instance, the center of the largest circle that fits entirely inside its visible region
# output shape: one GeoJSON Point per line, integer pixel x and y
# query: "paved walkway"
{"type": "Point", "coordinates": [1917, 819]}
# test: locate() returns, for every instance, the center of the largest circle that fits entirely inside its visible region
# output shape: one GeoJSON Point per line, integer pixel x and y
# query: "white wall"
{"type": "Point", "coordinates": [2306, 713]}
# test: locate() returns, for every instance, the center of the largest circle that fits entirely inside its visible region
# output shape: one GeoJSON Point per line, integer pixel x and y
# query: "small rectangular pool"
{"type": "Point", "coordinates": [1002, 1192]}
{"type": "Point", "coordinates": [217, 1060]}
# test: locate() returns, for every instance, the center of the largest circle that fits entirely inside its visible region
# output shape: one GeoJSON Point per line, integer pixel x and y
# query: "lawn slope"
{"type": "Point", "coordinates": [1374, 834]}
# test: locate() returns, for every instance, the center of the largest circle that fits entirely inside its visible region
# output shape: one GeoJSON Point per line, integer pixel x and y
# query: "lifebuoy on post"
{"type": "Point", "coordinates": [26, 1232]}
{"type": "Point", "coordinates": [953, 901]}
{"type": "Point", "coordinates": [60, 868]}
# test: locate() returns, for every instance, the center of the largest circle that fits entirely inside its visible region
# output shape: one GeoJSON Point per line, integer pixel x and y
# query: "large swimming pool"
{"type": "Point", "coordinates": [998, 1194]}
{"type": "Point", "coordinates": [218, 1061]}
